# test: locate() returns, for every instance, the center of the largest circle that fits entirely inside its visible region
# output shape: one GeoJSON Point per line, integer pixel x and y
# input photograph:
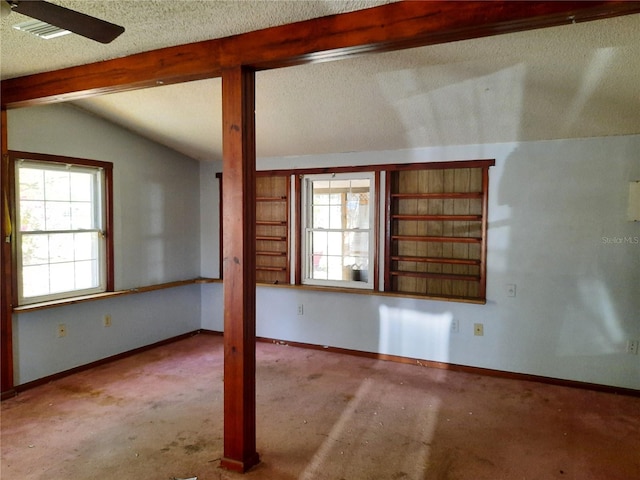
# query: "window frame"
{"type": "Point", "coordinates": [54, 162]}
{"type": "Point", "coordinates": [305, 230]}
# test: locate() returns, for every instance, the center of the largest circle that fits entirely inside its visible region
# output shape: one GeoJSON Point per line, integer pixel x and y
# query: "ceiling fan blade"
{"type": "Point", "coordinates": [76, 22]}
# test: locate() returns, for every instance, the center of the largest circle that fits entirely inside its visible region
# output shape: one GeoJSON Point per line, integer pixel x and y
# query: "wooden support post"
{"type": "Point", "coordinates": [239, 253]}
{"type": "Point", "coordinates": [6, 276]}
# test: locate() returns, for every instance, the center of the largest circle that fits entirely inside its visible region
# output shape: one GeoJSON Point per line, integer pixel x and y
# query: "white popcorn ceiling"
{"type": "Point", "coordinates": [571, 81]}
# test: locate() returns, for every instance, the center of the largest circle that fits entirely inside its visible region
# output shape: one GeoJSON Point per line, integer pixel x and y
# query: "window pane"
{"type": "Point", "coordinates": [320, 217]}
{"type": "Point", "coordinates": [85, 245]}
{"type": "Point", "coordinates": [61, 247]}
{"type": "Point", "coordinates": [335, 216]}
{"type": "Point", "coordinates": [81, 216]}
{"type": "Point", "coordinates": [57, 185]}
{"type": "Point", "coordinates": [340, 185]}
{"type": "Point", "coordinates": [31, 216]}
{"type": "Point", "coordinates": [357, 243]}
{"type": "Point", "coordinates": [334, 243]}
{"type": "Point", "coordinates": [35, 249]}
{"type": "Point", "coordinates": [35, 280]}
{"type": "Point", "coordinates": [334, 268]}
{"type": "Point", "coordinates": [86, 274]}
{"type": "Point", "coordinates": [319, 270]}
{"type": "Point", "coordinates": [320, 193]}
{"type": "Point", "coordinates": [58, 216]}
{"type": "Point", "coordinates": [81, 187]}
{"type": "Point", "coordinates": [318, 243]}
{"type": "Point", "coordinates": [335, 199]}
{"type": "Point", "coordinates": [62, 277]}
{"type": "Point", "coordinates": [358, 210]}
{"type": "Point", "coordinates": [31, 184]}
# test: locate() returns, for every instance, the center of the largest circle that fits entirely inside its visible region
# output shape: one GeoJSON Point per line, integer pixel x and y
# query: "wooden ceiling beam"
{"type": "Point", "coordinates": [389, 27]}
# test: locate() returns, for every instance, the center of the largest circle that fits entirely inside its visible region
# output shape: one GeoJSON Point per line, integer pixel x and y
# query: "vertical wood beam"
{"type": "Point", "coordinates": [6, 276]}
{"type": "Point", "coordinates": [239, 253]}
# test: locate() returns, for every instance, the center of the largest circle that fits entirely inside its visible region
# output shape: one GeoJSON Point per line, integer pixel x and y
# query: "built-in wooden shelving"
{"type": "Point", "coordinates": [272, 229]}
{"type": "Point", "coordinates": [436, 231]}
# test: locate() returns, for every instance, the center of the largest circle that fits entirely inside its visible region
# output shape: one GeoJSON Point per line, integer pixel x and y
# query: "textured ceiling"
{"type": "Point", "coordinates": [562, 82]}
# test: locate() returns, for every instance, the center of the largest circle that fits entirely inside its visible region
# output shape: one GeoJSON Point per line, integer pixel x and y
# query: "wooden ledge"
{"type": "Point", "coordinates": [358, 291]}
{"type": "Point", "coordinates": [101, 296]}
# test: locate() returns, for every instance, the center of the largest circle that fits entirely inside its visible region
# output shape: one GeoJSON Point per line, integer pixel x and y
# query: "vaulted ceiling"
{"type": "Point", "coordinates": [562, 82]}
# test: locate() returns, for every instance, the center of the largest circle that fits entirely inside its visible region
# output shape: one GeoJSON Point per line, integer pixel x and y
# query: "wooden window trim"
{"type": "Point", "coordinates": [107, 167]}
{"type": "Point", "coordinates": [375, 184]}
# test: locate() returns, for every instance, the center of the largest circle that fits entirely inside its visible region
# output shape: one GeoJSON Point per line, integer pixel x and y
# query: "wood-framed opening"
{"type": "Point", "coordinates": [436, 235]}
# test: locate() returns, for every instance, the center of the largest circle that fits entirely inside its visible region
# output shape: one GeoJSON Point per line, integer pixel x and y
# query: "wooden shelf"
{"type": "Point", "coordinates": [437, 217]}
{"type": "Point", "coordinates": [448, 261]}
{"type": "Point", "coordinates": [275, 223]}
{"type": "Point", "coordinates": [427, 238]}
{"type": "Point", "coordinates": [271, 269]}
{"type": "Point", "coordinates": [450, 218]}
{"type": "Point", "coordinates": [438, 195]}
{"type": "Point", "coordinates": [106, 295]}
{"type": "Point", "coordinates": [442, 276]}
{"type": "Point", "coordinates": [271, 238]}
{"type": "Point", "coordinates": [271, 199]}
{"type": "Point", "coordinates": [272, 225]}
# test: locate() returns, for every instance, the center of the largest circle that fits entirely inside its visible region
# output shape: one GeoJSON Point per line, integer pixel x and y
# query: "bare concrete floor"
{"type": "Point", "coordinates": [158, 415]}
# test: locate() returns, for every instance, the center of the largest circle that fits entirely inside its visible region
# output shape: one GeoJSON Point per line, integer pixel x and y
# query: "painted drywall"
{"type": "Point", "coordinates": [136, 321]}
{"type": "Point", "coordinates": [210, 219]}
{"type": "Point", "coordinates": [557, 230]}
{"type": "Point", "coordinates": [156, 190]}
{"type": "Point", "coordinates": [156, 240]}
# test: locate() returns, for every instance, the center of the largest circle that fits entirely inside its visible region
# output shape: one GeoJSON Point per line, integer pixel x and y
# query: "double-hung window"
{"type": "Point", "coordinates": [61, 219]}
{"type": "Point", "coordinates": [338, 220]}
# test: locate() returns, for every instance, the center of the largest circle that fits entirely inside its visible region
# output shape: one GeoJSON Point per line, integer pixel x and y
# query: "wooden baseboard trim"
{"type": "Point", "coordinates": [8, 394]}
{"type": "Point", "coordinates": [41, 381]}
{"type": "Point", "coordinates": [464, 368]}
{"type": "Point", "coordinates": [358, 353]}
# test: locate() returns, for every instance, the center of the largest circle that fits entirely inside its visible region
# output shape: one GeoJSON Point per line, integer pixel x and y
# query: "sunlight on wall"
{"type": "Point", "coordinates": [411, 333]}
{"type": "Point", "coordinates": [436, 116]}
{"type": "Point", "coordinates": [155, 206]}
{"type": "Point", "coordinates": [591, 323]}
{"type": "Point", "coordinates": [590, 82]}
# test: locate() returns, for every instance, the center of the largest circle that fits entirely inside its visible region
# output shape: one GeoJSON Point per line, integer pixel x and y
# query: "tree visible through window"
{"type": "Point", "coordinates": [61, 222]}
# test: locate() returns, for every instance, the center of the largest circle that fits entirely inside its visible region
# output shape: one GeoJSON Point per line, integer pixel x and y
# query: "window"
{"type": "Point", "coordinates": [61, 228]}
{"type": "Point", "coordinates": [338, 219]}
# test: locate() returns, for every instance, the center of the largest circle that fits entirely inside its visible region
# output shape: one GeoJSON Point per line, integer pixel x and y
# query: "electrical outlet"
{"type": "Point", "coordinates": [300, 309]}
{"type": "Point", "coordinates": [632, 346]}
{"type": "Point", "coordinates": [511, 290]}
{"type": "Point", "coordinates": [106, 320]}
{"type": "Point", "coordinates": [62, 330]}
{"type": "Point", "coordinates": [455, 326]}
{"type": "Point", "coordinates": [478, 329]}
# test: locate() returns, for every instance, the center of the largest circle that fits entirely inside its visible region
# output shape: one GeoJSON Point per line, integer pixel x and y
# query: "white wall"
{"type": "Point", "coordinates": [557, 230]}
{"type": "Point", "coordinates": [156, 240]}
{"type": "Point", "coordinates": [556, 220]}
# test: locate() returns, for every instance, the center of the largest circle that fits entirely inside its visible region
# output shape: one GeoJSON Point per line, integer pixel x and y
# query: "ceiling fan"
{"type": "Point", "coordinates": [76, 22]}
